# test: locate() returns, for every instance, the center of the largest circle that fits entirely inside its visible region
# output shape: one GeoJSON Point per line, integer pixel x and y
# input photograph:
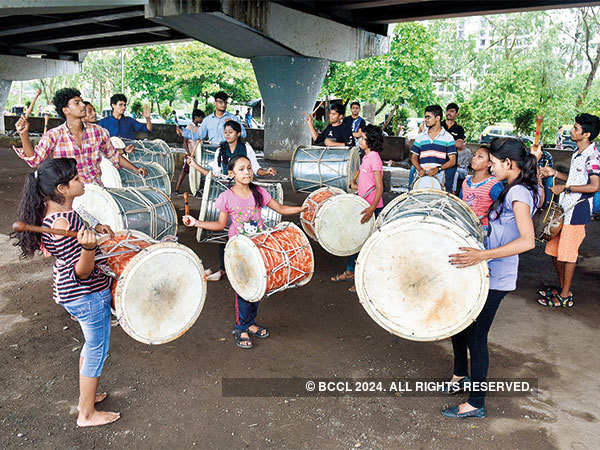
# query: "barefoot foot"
{"type": "Point", "coordinates": [97, 418]}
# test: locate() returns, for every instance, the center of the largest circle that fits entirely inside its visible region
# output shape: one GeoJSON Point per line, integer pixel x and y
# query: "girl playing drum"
{"type": "Point", "coordinates": [243, 203]}
{"type": "Point", "coordinates": [510, 233]}
{"type": "Point", "coordinates": [79, 285]}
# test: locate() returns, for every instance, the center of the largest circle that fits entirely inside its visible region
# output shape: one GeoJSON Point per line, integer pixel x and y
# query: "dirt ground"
{"type": "Point", "coordinates": [170, 395]}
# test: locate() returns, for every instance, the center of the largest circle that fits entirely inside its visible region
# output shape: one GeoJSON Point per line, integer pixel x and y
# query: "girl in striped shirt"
{"type": "Point", "coordinates": [79, 285]}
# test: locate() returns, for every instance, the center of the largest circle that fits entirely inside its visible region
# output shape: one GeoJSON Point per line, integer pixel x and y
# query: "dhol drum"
{"type": "Point", "coordinates": [314, 167]}
{"type": "Point", "coordinates": [204, 155]}
{"type": "Point", "coordinates": [333, 220]}
{"type": "Point", "coordinates": [155, 152]}
{"type": "Point", "coordinates": [403, 275]}
{"type": "Point", "coordinates": [160, 288]}
{"type": "Point", "coordinates": [213, 187]}
{"type": "Point", "coordinates": [268, 262]}
{"type": "Point", "coordinates": [157, 176]}
{"type": "Point", "coordinates": [426, 182]}
{"type": "Point", "coordinates": [548, 222]}
{"type": "Point", "coordinates": [143, 209]}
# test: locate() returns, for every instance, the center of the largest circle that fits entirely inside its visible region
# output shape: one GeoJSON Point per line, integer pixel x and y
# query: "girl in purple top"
{"type": "Point", "coordinates": [243, 203]}
{"type": "Point", "coordinates": [510, 232]}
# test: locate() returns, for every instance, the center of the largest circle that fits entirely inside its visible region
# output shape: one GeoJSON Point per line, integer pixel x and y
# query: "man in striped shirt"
{"type": "Point", "coordinates": [434, 150]}
{"type": "Point", "coordinates": [87, 143]}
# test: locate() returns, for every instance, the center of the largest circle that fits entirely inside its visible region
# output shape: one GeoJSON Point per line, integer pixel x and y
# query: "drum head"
{"type": "Point", "coordinates": [426, 182]}
{"type": "Point", "coordinates": [337, 225]}
{"type": "Point", "coordinates": [117, 143]}
{"type": "Point", "coordinates": [161, 293]}
{"type": "Point", "coordinates": [99, 203]}
{"type": "Point", "coordinates": [110, 174]}
{"type": "Point", "coordinates": [407, 285]}
{"type": "Point", "coordinates": [307, 218]}
{"type": "Point", "coordinates": [245, 268]}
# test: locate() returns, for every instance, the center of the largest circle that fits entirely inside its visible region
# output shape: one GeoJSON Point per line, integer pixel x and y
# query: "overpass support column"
{"type": "Point", "coordinates": [4, 91]}
{"type": "Point", "coordinates": [289, 86]}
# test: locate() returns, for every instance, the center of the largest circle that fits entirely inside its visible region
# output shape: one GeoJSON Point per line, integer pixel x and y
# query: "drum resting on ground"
{"type": "Point", "coordinates": [213, 187]}
{"type": "Point", "coordinates": [404, 279]}
{"type": "Point", "coordinates": [160, 288]}
{"type": "Point", "coordinates": [204, 156]}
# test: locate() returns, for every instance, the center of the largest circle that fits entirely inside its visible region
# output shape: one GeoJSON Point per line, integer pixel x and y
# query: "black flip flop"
{"type": "Point", "coordinates": [257, 334]}
{"type": "Point", "coordinates": [239, 339]}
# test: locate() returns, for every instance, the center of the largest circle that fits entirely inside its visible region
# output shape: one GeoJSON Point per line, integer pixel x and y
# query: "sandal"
{"type": "Point", "coordinates": [548, 292]}
{"type": "Point", "coordinates": [342, 277]}
{"type": "Point", "coordinates": [352, 289]}
{"type": "Point", "coordinates": [239, 340]}
{"type": "Point", "coordinates": [548, 302]}
{"type": "Point", "coordinates": [259, 333]}
{"type": "Point", "coordinates": [565, 302]}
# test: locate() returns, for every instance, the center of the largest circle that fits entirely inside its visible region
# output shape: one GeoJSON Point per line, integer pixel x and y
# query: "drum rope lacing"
{"type": "Point", "coordinates": [431, 210]}
{"type": "Point", "coordinates": [286, 263]}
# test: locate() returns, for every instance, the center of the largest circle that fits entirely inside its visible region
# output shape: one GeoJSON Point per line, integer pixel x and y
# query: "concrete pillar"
{"type": "Point", "coordinates": [289, 86]}
{"type": "Point", "coordinates": [4, 91]}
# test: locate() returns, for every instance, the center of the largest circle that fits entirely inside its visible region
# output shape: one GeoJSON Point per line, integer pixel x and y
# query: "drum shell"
{"type": "Point", "coordinates": [204, 156]}
{"type": "Point", "coordinates": [162, 157]}
{"type": "Point", "coordinates": [314, 200]}
{"type": "Point", "coordinates": [159, 291]}
{"type": "Point", "coordinates": [314, 167]}
{"type": "Point", "coordinates": [546, 230]}
{"type": "Point", "coordinates": [143, 209]}
{"type": "Point", "coordinates": [157, 176]}
{"type": "Point", "coordinates": [213, 187]}
{"type": "Point", "coordinates": [256, 266]}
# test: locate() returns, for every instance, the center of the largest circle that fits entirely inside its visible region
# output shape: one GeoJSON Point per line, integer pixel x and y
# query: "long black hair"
{"type": "Point", "coordinates": [39, 187]}
{"type": "Point", "coordinates": [515, 150]}
{"type": "Point", "coordinates": [223, 157]}
{"type": "Point", "coordinates": [374, 137]}
{"type": "Point", "coordinates": [258, 198]}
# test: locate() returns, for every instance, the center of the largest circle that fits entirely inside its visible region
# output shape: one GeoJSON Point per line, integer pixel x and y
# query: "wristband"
{"type": "Point", "coordinates": [90, 249]}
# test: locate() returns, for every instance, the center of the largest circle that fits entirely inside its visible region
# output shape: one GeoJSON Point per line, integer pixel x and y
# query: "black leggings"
{"type": "Point", "coordinates": [475, 339]}
{"type": "Point", "coordinates": [222, 257]}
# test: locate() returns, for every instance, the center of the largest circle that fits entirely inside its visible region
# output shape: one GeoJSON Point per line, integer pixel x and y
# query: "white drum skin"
{"type": "Point", "coordinates": [426, 182]}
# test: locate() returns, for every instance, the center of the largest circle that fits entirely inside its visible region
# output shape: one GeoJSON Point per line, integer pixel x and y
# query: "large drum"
{"type": "Point", "coordinates": [315, 167]}
{"type": "Point", "coordinates": [143, 209]}
{"type": "Point", "coordinates": [403, 275]}
{"type": "Point", "coordinates": [160, 288]}
{"type": "Point", "coordinates": [425, 182]}
{"type": "Point", "coordinates": [204, 156]}
{"type": "Point", "coordinates": [157, 176]}
{"type": "Point", "coordinates": [155, 152]}
{"type": "Point", "coordinates": [213, 187]}
{"type": "Point", "coordinates": [121, 143]}
{"type": "Point", "coordinates": [269, 262]}
{"type": "Point", "coordinates": [333, 220]}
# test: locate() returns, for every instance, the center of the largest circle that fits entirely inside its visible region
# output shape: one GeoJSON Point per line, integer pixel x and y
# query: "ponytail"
{"type": "Point", "coordinates": [515, 150]}
{"type": "Point", "coordinates": [39, 187]}
{"type": "Point", "coordinates": [258, 198]}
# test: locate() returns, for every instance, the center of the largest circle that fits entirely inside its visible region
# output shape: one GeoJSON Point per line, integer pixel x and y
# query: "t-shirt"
{"type": "Point", "coordinates": [578, 206]}
{"type": "Point", "coordinates": [502, 230]}
{"type": "Point", "coordinates": [354, 124]}
{"type": "Point", "coordinates": [340, 133]}
{"type": "Point", "coordinates": [455, 130]}
{"type": "Point", "coordinates": [366, 179]}
{"type": "Point", "coordinates": [249, 153]}
{"type": "Point", "coordinates": [245, 216]}
{"type": "Point", "coordinates": [433, 152]}
{"type": "Point", "coordinates": [480, 196]}
{"type": "Point", "coordinates": [125, 127]}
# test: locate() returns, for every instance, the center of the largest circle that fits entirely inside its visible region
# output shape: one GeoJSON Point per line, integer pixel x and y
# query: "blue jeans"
{"type": "Point", "coordinates": [596, 208]}
{"type": "Point", "coordinates": [245, 313]}
{"type": "Point", "coordinates": [351, 260]}
{"type": "Point", "coordinates": [548, 183]}
{"type": "Point", "coordinates": [474, 337]}
{"type": "Point", "coordinates": [93, 314]}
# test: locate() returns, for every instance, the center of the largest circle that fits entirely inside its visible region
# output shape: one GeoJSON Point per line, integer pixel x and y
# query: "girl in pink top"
{"type": "Point", "coordinates": [243, 203]}
{"type": "Point", "coordinates": [481, 189]}
{"type": "Point", "coordinates": [370, 186]}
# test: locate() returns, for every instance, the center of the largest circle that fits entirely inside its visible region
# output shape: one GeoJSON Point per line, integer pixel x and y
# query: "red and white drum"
{"type": "Point", "coordinates": [268, 262]}
{"type": "Point", "coordinates": [333, 220]}
{"type": "Point", "coordinates": [404, 279]}
{"type": "Point", "coordinates": [160, 288]}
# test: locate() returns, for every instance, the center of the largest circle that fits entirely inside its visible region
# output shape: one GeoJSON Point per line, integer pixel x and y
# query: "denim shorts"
{"type": "Point", "coordinates": [93, 314]}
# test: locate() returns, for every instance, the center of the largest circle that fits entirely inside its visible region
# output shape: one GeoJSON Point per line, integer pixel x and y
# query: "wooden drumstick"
{"type": "Point", "coordinates": [538, 129]}
{"type": "Point", "coordinates": [37, 94]}
{"type": "Point", "coordinates": [186, 199]}
{"type": "Point", "coordinates": [46, 117]}
{"type": "Point", "coordinates": [22, 226]}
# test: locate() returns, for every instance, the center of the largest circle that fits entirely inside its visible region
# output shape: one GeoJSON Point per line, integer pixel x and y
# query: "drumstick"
{"type": "Point", "coordinates": [186, 199]}
{"type": "Point", "coordinates": [318, 106]}
{"type": "Point", "coordinates": [22, 226]}
{"type": "Point", "coordinates": [538, 128]}
{"type": "Point", "coordinates": [37, 94]}
{"type": "Point", "coordinates": [46, 117]}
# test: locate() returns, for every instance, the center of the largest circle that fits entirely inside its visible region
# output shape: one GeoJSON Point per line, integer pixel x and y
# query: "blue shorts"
{"type": "Point", "coordinates": [93, 314]}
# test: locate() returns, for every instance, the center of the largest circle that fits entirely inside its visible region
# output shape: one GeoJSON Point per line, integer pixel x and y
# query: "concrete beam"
{"type": "Point", "coordinates": [265, 28]}
{"type": "Point", "coordinates": [4, 91]}
{"type": "Point", "coordinates": [22, 68]}
{"type": "Point", "coordinates": [26, 7]}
